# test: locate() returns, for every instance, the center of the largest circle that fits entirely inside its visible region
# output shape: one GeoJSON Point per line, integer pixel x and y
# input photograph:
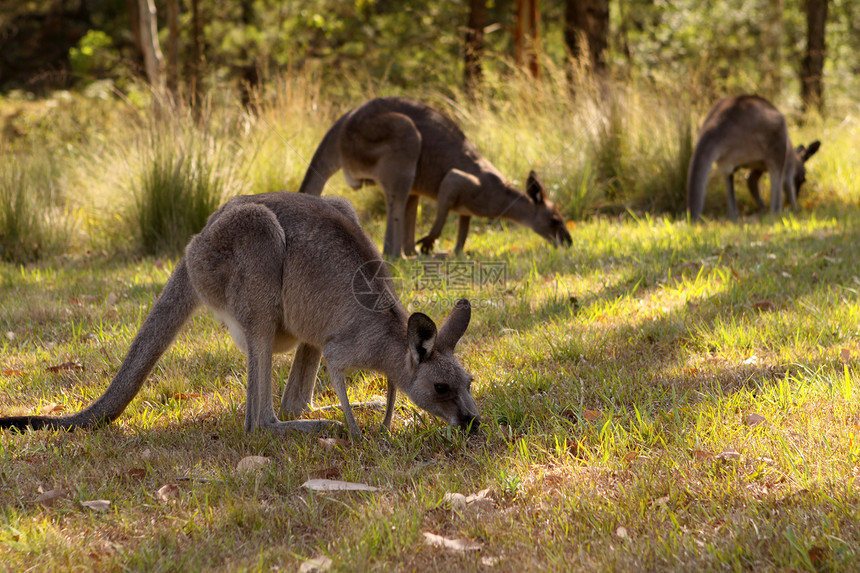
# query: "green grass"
{"type": "Point", "coordinates": [610, 376]}
{"type": "Point", "coordinates": [615, 378]}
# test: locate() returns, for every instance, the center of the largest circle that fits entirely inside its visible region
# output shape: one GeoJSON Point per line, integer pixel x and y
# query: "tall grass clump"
{"type": "Point", "coordinates": [183, 174]}
{"type": "Point", "coordinates": [32, 219]}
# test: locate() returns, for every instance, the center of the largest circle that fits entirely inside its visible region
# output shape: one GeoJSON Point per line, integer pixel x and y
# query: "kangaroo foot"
{"type": "Point", "coordinates": [426, 244]}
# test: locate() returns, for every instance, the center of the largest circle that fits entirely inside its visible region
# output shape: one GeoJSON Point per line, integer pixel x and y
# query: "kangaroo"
{"type": "Point", "coordinates": [747, 132]}
{"type": "Point", "coordinates": [412, 150]}
{"type": "Point", "coordinates": [285, 270]}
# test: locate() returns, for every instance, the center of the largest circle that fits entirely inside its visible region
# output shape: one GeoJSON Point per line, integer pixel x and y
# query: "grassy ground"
{"type": "Point", "coordinates": [656, 397]}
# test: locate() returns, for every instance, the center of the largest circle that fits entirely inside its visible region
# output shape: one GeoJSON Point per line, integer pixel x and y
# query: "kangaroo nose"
{"type": "Point", "coordinates": [471, 424]}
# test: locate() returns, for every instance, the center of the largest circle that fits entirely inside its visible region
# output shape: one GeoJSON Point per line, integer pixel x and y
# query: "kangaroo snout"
{"type": "Point", "coordinates": [563, 239]}
{"type": "Point", "coordinates": [471, 424]}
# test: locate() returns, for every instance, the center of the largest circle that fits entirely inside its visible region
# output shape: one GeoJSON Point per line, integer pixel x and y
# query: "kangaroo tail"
{"type": "Point", "coordinates": [173, 308]}
{"type": "Point", "coordinates": [325, 162]}
{"type": "Point", "coordinates": [697, 176]}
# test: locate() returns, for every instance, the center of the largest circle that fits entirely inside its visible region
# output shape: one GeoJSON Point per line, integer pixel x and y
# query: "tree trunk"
{"type": "Point", "coordinates": [772, 38]}
{"type": "Point", "coordinates": [812, 69]}
{"type": "Point", "coordinates": [196, 61]}
{"type": "Point", "coordinates": [586, 31]}
{"type": "Point", "coordinates": [474, 47]}
{"type": "Point", "coordinates": [173, 45]}
{"type": "Point", "coordinates": [152, 58]}
{"type": "Point", "coordinates": [527, 36]}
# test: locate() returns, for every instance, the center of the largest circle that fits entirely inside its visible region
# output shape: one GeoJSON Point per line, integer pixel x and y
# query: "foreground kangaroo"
{"type": "Point", "coordinates": [411, 150]}
{"type": "Point", "coordinates": [284, 270]}
{"type": "Point", "coordinates": [747, 132]}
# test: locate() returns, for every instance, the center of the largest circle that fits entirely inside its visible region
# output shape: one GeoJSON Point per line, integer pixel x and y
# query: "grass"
{"type": "Point", "coordinates": [617, 379]}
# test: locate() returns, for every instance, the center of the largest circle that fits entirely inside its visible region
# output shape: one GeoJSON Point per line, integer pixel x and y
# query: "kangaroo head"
{"type": "Point", "coordinates": [437, 382]}
{"type": "Point", "coordinates": [802, 154]}
{"type": "Point", "coordinates": [548, 222]}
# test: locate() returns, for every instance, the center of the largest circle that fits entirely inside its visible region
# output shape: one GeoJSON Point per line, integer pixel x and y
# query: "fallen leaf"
{"type": "Point", "coordinates": [331, 443]}
{"type": "Point", "coordinates": [70, 365]}
{"type": "Point", "coordinates": [621, 532]}
{"type": "Point", "coordinates": [112, 299]}
{"type": "Point", "coordinates": [180, 396]}
{"type": "Point", "coordinates": [763, 305]}
{"type": "Point", "coordinates": [51, 408]}
{"type": "Point", "coordinates": [702, 455]}
{"type": "Point", "coordinates": [455, 501]}
{"type": "Point", "coordinates": [146, 454]}
{"type": "Point", "coordinates": [630, 456]}
{"type": "Point", "coordinates": [48, 498]}
{"type": "Point", "coordinates": [457, 545]}
{"type": "Point", "coordinates": [817, 555]}
{"type": "Point", "coordinates": [845, 355]}
{"type": "Point", "coordinates": [490, 561]}
{"type": "Point", "coordinates": [97, 504]}
{"type": "Point", "coordinates": [591, 415]}
{"type": "Point", "coordinates": [754, 420]}
{"type": "Point", "coordinates": [10, 335]}
{"type": "Point", "coordinates": [136, 473]}
{"type": "Point", "coordinates": [167, 492]}
{"type": "Point", "coordinates": [661, 500]}
{"type": "Point", "coordinates": [249, 463]}
{"type": "Point", "coordinates": [316, 565]}
{"type": "Point", "coordinates": [326, 473]}
{"type": "Point", "coordinates": [336, 485]}
{"type": "Point", "coordinates": [13, 372]}
{"type": "Point", "coordinates": [751, 360]}
{"type": "Point", "coordinates": [729, 455]}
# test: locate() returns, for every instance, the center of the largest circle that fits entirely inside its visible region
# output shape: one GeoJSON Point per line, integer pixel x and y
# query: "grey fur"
{"type": "Point", "coordinates": [412, 150]}
{"type": "Point", "coordinates": [746, 132]}
{"type": "Point", "coordinates": [278, 269]}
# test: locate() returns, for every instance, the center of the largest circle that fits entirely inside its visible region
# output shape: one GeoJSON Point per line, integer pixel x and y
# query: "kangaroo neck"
{"type": "Point", "coordinates": [514, 206]}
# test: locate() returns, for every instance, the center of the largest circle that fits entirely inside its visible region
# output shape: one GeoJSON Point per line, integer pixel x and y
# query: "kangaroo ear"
{"type": "Point", "coordinates": [534, 188]}
{"type": "Point", "coordinates": [421, 336]}
{"type": "Point", "coordinates": [455, 325]}
{"type": "Point", "coordinates": [807, 152]}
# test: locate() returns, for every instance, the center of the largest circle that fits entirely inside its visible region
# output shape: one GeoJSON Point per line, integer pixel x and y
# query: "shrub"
{"type": "Point", "coordinates": [183, 175]}
{"type": "Point", "coordinates": [31, 207]}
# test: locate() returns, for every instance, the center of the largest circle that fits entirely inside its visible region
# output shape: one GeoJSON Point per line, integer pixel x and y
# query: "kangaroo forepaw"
{"type": "Point", "coordinates": [426, 245]}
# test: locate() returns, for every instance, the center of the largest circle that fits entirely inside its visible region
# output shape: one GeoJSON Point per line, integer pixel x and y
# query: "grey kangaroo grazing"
{"type": "Point", "coordinates": [284, 270]}
{"type": "Point", "coordinates": [747, 132]}
{"type": "Point", "coordinates": [412, 150]}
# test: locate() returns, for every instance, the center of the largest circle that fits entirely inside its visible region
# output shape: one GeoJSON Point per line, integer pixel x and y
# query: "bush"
{"type": "Point", "coordinates": [31, 208]}
{"type": "Point", "coordinates": [183, 175]}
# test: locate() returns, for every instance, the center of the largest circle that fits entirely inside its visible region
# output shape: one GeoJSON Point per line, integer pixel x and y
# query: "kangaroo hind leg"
{"type": "Point", "coordinates": [236, 265]}
{"type": "Point", "coordinates": [395, 171]}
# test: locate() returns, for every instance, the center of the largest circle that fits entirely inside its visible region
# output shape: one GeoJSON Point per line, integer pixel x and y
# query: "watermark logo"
{"type": "Point", "coordinates": [429, 282]}
{"type": "Point", "coordinates": [372, 286]}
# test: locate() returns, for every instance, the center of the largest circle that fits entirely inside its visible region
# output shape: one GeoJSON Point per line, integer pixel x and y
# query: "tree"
{"type": "Point", "coordinates": [152, 59]}
{"type": "Point", "coordinates": [588, 21]}
{"type": "Point", "coordinates": [474, 46]}
{"type": "Point", "coordinates": [173, 45]}
{"type": "Point", "coordinates": [812, 68]}
{"type": "Point", "coordinates": [527, 36]}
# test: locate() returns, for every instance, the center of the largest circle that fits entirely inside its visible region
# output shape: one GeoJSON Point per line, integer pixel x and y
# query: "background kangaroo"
{"type": "Point", "coordinates": [285, 270]}
{"type": "Point", "coordinates": [747, 132]}
{"type": "Point", "coordinates": [411, 150]}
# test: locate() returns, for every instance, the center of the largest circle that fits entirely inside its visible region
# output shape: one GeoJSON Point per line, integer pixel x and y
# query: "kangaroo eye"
{"type": "Point", "coordinates": [442, 388]}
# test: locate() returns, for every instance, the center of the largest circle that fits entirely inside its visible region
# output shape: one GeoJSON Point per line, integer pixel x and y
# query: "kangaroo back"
{"type": "Point", "coordinates": [170, 312]}
{"type": "Point", "coordinates": [326, 160]}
